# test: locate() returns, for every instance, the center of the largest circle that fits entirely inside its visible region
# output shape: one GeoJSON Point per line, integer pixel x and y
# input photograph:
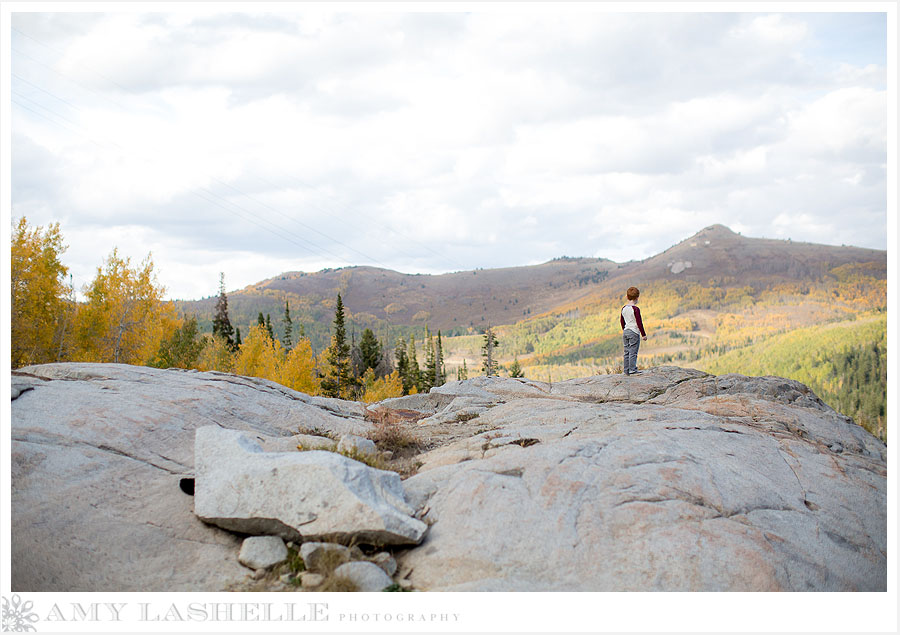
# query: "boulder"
{"type": "Point", "coordinates": [310, 580]}
{"type": "Point", "coordinates": [97, 455]}
{"type": "Point", "coordinates": [262, 552]}
{"type": "Point", "coordinates": [316, 495]}
{"type": "Point", "coordinates": [318, 555]}
{"type": "Point", "coordinates": [386, 561]}
{"type": "Point", "coordinates": [352, 443]}
{"type": "Point", "coordinates": [365, 575]}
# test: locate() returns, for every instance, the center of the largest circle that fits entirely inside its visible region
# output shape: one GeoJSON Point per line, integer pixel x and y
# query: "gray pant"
{"type": "Point", "coordinates": [632, 342]}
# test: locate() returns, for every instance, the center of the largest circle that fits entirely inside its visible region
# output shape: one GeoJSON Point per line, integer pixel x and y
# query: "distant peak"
{"type": "Point", "coordinates": [717, 229]}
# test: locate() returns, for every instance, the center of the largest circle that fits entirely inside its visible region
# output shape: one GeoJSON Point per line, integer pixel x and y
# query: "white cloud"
{"type": "Point", "coordinates": [772, 29]}
{"type": "Point", "coordinates": [431, 142]}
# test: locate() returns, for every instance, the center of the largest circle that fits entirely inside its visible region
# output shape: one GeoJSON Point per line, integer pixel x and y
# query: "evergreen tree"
{"type": "Point", "coordinates": [440, 371]}
{"type": "Point", "coordinates": [462, 373]}
{"type": "Point", "coordinates": [338, 379]}
{"type": "Point", "coordinates": [430, 373]}
{"type": "Point", "coordinates": [269, 327]}
{"type": "Point", "coordinates": [488, 353]}
{"type": "Point", "coordinates": [414, 374]}
{"type": "Point", "coordinates": [260, 320]}
{"type": "Point", "coordinates": [370, 351]}
{"type": "Point", "coordinates": [515, 370]}
{"type": "Point", "coordinates": [402, 364]}
{"type": "Point", "coordinates": [221, 324]}
{"type": "Point", "coordinates": [237, 338]}
{"type": "Point", "coordinates": [287, 339]}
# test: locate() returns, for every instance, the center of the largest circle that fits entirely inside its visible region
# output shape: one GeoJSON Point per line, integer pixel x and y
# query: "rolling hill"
{"type": "Point", "coordinates": [467, 301]}
{"type": "Point", "coordinates": [716, 301]}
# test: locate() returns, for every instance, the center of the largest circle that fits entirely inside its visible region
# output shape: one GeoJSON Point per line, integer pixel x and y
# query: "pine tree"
{"type": "Point", "coordinates": [515, 370]}
{"type": "Point", "coordinates": [269, 327]}
{"type": "Point", "coordinates": [221, 324]}
{"type": "Point", "coordinates": [440, 371]}
{"type": "Point", "coordinates": [462, 373]}
{"type": "Point", "coordinates": [338, 379]}
{"type": "Point", "coordinates": [355, 357]}
{"type": "Point", "coordinates": [402, 364]}
{"type": "Point", "coordinates": [370, 351]}
{"type": "Point", "coordinates": [237, 338]}
{"type": "Point", "coordinates": [489, 364]}
{"type": "Point", "coordinates": [287, 339]}
{"type": "Point", "coordinates": [428, 377]}
{"type": "Point", "coordinates": [260, 320]}
{"type": "Point", "coordinates": [413, 372]}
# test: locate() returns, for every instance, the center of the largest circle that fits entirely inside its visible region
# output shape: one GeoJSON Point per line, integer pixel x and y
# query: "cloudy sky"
{"type": "Point", "coordinates": [256, 143]}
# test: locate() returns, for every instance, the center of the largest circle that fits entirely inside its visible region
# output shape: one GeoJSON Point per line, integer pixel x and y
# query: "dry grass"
{"type": "Point", "coordinates": [338, 583]}
{"type": "Point", "coordinates": [390, 434]}
{"type": "Point", "coordinates": [375, 460]}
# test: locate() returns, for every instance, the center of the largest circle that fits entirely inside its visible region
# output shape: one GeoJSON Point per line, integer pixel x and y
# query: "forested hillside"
{"type": "Point", "coordinates": [716, 301]}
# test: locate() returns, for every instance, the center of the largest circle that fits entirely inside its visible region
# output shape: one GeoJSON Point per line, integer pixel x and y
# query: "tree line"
{"type": "Point", "coordinates": [123, 318]}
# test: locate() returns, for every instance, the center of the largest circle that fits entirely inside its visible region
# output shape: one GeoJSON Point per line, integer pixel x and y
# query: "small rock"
{"type": "Point", "coordinates": [262, 552]}
{"type": "Point", "coordinates": [405, 584]}
{"type": "Point", "coordinates": [366, 575]}
{"type": "Point", "coordinates": [316, 554]}
{"type": "Point", "coordinates": [836, 447]}
{"type": "Point", "coordinates": [387, 455]}
{"type": "Point", "coordinates": [287, 578]}
{"type": "Point", "coordinates": [351, 442]}
{"type": "Point", "coordinates": [310, 580]}
{"type": "Point", "coordinates": [386, 561]}
{"type": "Point", "coordinates": [259, 574]}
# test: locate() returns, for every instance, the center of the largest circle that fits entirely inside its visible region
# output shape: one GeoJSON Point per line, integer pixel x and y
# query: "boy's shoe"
{"type": "Point", "coordinates": [635, 372]}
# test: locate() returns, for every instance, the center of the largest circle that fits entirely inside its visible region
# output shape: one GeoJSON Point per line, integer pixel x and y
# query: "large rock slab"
{"type": "Point", "coordinates": [315, 495]}
{"type": "Point", "coordinates": [590, 492]}
{"type": "Point", "coordinates": [669, 480]}
{"type": "Point", "coordinates": [97, 454]}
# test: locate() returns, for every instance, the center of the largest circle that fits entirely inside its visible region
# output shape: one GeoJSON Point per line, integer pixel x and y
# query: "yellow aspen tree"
{"type": "Point", "coordinates": [298, 371]}
{"type": "Point", "coordinates": [216, 354]}
{"type": "Point", "coordinates": [42, 305]}
{"type": "Point", "coordinates": [124, 317]}
{"type": "Point", "coordinates": [381, 388]}
{"type": "Point", "coordinates": [258, 355]}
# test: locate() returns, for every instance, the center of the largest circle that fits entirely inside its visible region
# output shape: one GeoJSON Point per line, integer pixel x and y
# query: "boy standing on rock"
{"type": "Point", "coordinates": [632, 330]}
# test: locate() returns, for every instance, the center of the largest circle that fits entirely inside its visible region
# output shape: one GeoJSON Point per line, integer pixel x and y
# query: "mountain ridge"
{"type": "Point", "coordinates": [468, 301]}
